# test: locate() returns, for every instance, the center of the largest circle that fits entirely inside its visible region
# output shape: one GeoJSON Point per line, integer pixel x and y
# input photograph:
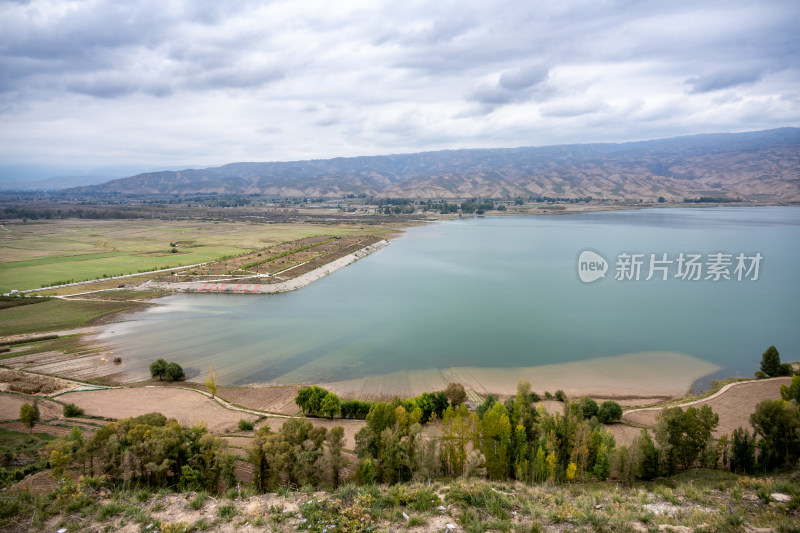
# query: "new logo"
{"type": "Point", "coordinates": [591, 266]}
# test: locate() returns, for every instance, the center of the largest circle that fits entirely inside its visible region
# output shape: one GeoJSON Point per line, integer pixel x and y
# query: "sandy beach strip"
{"type": "Point", "coordinates": [656, 375]}
{"type": "Point", "coordinates": [234, 287]}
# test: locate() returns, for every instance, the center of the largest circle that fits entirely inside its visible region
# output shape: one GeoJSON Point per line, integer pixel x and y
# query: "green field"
{"type": "Point", "coordinates": [37, 254]}
{"type": "Point", "coordinates": [52, 315]}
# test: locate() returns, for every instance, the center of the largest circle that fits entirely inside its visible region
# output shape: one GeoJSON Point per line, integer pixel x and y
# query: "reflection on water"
{"type": "Point", "coordinates": [494, 292]}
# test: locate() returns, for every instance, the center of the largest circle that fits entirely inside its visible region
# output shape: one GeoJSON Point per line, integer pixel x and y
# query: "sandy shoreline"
{"type": "Point", "coordinates": [233, 287]}
{"type": "Point", "coordinates": [656, 375]}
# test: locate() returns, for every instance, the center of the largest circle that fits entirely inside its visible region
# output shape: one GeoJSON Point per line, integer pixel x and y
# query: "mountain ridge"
{"type": "Point", "coordinates": [760, 166]}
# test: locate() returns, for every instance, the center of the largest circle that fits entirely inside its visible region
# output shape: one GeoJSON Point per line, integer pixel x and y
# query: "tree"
{"type": "Point", "coordinates": [683, 435]}
{"type": "Point", "coordinates": [158, 369]}
{"type": "Point", "coordinates": [778, 424]}
{"type": "Point", "coordinates": [174, 372]}
{"type": "Point", "coordinates": [335, 459]}
{"type": "Point", "coordinates": [792, 392]}
{"type": "Point", "coordinates": [331, 405]}
{"type": "Point", "coordinates": [609, 412]}
{"type": "Point", "coordinates": [743, 452]}
{"type": "Point", "coordinates": [771, 362]}
{"type": "Point", "coordinates": [211, 381]}
{"type": "Point", "coordinates": [495, 430]}
{"type": "Point", "coordinates": [455, 393]}
{"type": "Point", "coordinates": [486, 405]}
{"type": "Point", "coordinates": [589, 408]}
{"type": "Point", "coordinates": [647, 468]}
{"type": "Point", "coordinates": [365, 475]}
{"type": "Point", "coordinates": [29, 414]}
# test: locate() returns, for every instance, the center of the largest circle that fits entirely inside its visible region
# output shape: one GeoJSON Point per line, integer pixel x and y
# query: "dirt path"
{"type": "Point", "coordinates": [187, 406]}
{"type": "Point", "coordinates": [733, 403]}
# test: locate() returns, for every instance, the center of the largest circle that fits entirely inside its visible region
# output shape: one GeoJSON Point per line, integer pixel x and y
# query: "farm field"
{"type": "Point", "coordinates": [43, 253]}
{"type": "Point", "coordinates": [733, 405]}
{"type": "Point", "coordinates": [52, 315]}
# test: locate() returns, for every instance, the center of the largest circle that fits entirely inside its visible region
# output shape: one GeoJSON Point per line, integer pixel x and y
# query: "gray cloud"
{"type": "Point", "coordinates": [723, 80]}
{"type": "Point", "coordinates": [166, 82]}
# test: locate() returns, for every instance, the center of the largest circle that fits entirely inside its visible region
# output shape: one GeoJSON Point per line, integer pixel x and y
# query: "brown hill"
{"type": "Point", "coordinates": [754, 166]}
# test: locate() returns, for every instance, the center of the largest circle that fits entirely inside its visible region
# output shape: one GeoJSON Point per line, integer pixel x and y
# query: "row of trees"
{"type": "Point", "coordinates": [512, 440]}
{"type": "Point", "coordinates": [149, 449]}
{"type": "Point", "coordinates": [318, 401]}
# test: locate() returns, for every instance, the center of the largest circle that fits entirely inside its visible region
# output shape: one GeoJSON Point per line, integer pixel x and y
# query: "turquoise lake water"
{"type": "Point", "coordinates": [497, 292]}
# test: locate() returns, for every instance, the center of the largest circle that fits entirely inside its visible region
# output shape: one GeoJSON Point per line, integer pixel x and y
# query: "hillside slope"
{"type": "Point", "coordinates": [754, 166]}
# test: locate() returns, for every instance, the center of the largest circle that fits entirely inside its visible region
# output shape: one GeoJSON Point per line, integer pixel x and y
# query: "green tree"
{"type": "Point", "coordinates": [29, 414]}
{"type": "Point", "coordinates": [331, 405]}
{"type": "Point", "coordinates": [609, 412]}
{"type": "Point", "coordinates": [743, 452]}
{"type": "Point", "coordinates": [365, 475]}
{"type": "Point", "coordinates": [792, 392]}
{"type": "Point", "coordinates": [158, 369]}
{"type": "Point", "coordinates": [589, 408]}
{"type": "Point", "coordinates": [174, 372]}
{"type": "Point", "coordinates": [778, 424]}
{"type": "Point", "coordinates": [648, 457]}
{"type": "Point", "coordinates": [257, 456]}
{"type": "Point", "coordinates": [455, 394]}
{"type": "Point", "coordinates": [683, 435]}
{"type": "Point", "coordinates": [495, 429]}
{"type": "Point", "coordinates": [334, 456]}
{"type": "Point", "coordinates": [381, 416]}
{"type": "Point", "coordinates": [488, 402]}
{"type": "Point", "coordinates": [771, 362]}
{"type": "Point", "coordinates": [211, 381]}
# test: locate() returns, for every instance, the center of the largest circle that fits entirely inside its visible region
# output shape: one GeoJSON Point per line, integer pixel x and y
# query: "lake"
{"type": "Point", "coordinates": [494, 295]}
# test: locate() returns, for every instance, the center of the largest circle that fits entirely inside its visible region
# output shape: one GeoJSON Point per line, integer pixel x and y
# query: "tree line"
{"type": "Point", "coordinates": [513, 440]}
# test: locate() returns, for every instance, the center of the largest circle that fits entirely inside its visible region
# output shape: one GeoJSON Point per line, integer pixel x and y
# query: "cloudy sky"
{"type": "Point", "coordinates": [95, 83]}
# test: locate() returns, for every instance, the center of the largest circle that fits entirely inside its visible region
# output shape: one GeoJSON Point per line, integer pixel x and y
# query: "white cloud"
{"type": "Point", "coordinates": [95, 82]}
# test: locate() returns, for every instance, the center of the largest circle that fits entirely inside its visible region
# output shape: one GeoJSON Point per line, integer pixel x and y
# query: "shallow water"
{"type": "Point", "coordinates": [495, 292]}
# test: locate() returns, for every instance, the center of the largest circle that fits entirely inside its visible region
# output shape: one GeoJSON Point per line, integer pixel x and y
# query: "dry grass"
{"type": "Point", "coordinates": [16, 381]}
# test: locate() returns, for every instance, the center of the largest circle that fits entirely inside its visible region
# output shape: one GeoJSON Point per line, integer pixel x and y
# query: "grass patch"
{"type": "Point", "coordinates": [57, 314]}
{"type": "Point", "coordinates": [227, 512]}
{"type": "Point", "coordinates": [21, 454]}
{"type": "Point", "coordinates": [66, 344]}
{"type": "Point", "coordinates": [7, 302]}
{"type": "Point", "coordinates": [41, 254]}
{"type": "Point", "coordinates": [198, 501]}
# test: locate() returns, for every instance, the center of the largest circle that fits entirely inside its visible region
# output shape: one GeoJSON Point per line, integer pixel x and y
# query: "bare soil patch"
{"type": "Point", "coordinates": [278, 399]}
{"type": "Point", "coordinates": [10, 404]}
{"type": "Point", "coordinates": [733, 405]}
{"type": "Point", "coordinates": [187, 407]}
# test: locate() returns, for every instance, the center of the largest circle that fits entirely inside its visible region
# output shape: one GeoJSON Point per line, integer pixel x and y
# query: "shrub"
{"type": "Point", "coordinates": [71, 410]}
{"type": "Point", "coordinates": [560, 396]}
{"type": "Point", "coordinates": [158, 369]}
{"type": "Point", "coordinates": [609, 412]}
{"type": "Point", "coordinates": [174, 372]}
{"type": "Point", "coordinates": [245, 425]}
{"type": "Point", "coordinates": [589, 408]}
{"type": "Point", "coordinates": [760, 375]}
